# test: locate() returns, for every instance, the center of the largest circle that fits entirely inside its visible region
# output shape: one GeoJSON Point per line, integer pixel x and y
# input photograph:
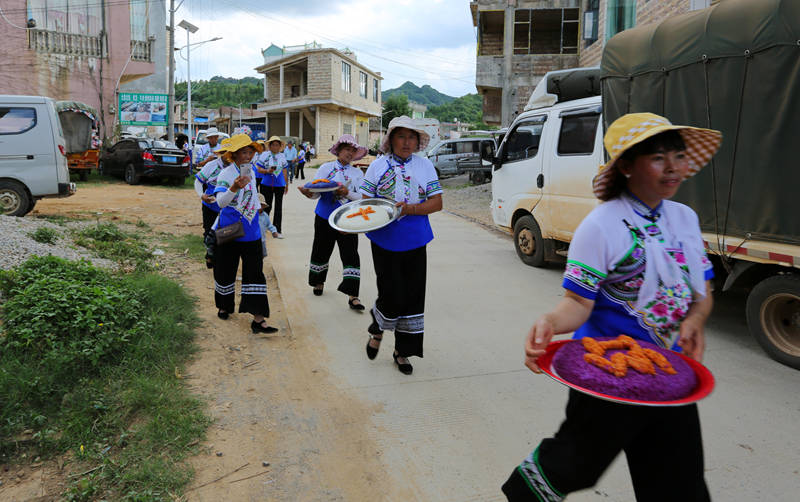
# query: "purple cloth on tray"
{"type": "Point", "coordinates": [571, 366]}
{"type": "Point", "coordinates": [329, 184]}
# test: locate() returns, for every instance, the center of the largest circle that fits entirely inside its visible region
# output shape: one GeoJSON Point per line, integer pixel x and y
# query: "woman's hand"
{"type": "Point", "coordinates": [305, 191]}
{"type": "Point", "coordinates": [208, 199]}
{"type": "Point", "coordinates": [239, 183]}
{"type": "Point", "coordinates": [262, 170]}
{"type": "Point", "coordinates": [692, 338]}
{"type": "Point", "coordinates": [342, 191]}
{"type": "Point", "coordinates": [285, 189]}
{"type": "Point", "coordinates": [406, 208]}
{"type": "Point", "coordinates": [538, 337]}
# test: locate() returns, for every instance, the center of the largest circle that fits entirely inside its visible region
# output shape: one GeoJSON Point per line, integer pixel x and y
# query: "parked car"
{"type": "Point", "coordinates": [478, 166]}
{"type": "Point", "coordinates": [33, 155]}
{"type": "Point", "coordinates": [444, 155]}
{"type": "Point", "coordinates": [136, 158]}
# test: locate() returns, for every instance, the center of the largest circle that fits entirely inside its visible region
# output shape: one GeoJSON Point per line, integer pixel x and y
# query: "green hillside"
{"type": "Point", "coordinates": [467, 108]}
{"type": "Point", "coordinates": [425, 95]}
{"type": "Point", "coordinates": [222, 91]}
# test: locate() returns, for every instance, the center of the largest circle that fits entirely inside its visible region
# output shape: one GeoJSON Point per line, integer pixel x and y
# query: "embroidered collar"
{"type": "Point", "coordinates": [642, 209]}
{"type": "Point", "coordinates": [399, 160]}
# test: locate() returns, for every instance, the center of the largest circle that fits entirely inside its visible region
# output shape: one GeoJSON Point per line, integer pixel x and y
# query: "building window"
{"type": "Point", "coordinates": [546, 31]}
{"type": "Point", "coordinates": [80, 17]}
{"type": "Point", "coordinates": [347, 128]}
{"type": "Point", "coordinates": [139, 17]}
{"type": "Point", "coordinates": [345, 76]}
{"type": "Point", "coordinates": [362, 84]}
{"type": "Point", "coordinates": [591, 22]}
{"type": "Point", "coordinates": [491, 27]}
{"type": "Point", "coordinates": [375, 91]}
{"type": "Point", "coordinates": [620, 15]}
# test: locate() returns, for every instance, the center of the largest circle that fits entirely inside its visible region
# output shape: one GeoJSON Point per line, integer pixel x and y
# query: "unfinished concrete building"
{"type": "Point", "coordinates": [518, 42]}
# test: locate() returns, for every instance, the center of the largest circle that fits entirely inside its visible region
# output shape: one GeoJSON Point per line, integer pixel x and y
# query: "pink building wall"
{"type": "Point", "coordinates": [91, 80]}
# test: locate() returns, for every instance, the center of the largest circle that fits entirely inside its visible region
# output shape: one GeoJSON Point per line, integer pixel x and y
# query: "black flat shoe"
{"type": "Point", "coordinates": [318, 291]}
{"type": "Point", "coordinates": [222, 314]}
{"type": "Point", "coordinates": [355, 306]}
{"type": "Point", "coordinates": [257, 327]}
{"type": "Point", "coordinates": [373, 328]}
{"type": "Point", "coordinates": [372, 352]}
{"type": "Point", "coordinates": [405, 368]}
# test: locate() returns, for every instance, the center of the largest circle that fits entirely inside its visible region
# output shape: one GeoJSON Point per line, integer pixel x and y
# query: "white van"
{"type": "Point", "coordinates": [542, 171]}
{"type": "Point", "coordinates": [33, 156]}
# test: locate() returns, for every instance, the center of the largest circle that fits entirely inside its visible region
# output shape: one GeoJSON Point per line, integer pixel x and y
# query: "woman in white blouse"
{"type": "Point", "coordinates": [347, 150]}
{"type": "Point", "coordinates": [399, 249]}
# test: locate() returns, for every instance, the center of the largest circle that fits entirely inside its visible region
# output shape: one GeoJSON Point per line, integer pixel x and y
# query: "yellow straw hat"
{"type": "Point", "coordinates": [633, 128]}
{"type": "Point", "coordinates": [239, 141]}
{"type": "Point", "coordinates": [276, 138]}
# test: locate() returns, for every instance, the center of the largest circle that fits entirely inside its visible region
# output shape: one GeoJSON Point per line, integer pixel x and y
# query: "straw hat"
{"type": "Point", "coordinates": [212, 131]}
{"type": "Point", "coordinates": [348, 139]}
{"type": "Point", "coordinates": [262, 200]}
{"type": "Point", "coordinates": [239, 141]}
{"type": "Point", "coordinates": [633, 128]}
{"type": "Point", "coordinates": [408, 123]}
{"type": "Point", "coordinates": [275, 138]}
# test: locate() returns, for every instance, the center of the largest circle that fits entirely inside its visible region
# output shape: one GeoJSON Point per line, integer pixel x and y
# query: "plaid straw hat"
{"type": "Point", "coordinates": [633, 128]}
{"type": "Point", "coordinates": [348, 139]}
{"type": "Point", "coordinates": [275, 138]}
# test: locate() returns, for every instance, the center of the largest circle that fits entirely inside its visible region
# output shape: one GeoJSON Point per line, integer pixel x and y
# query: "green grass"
{"type": "Point", "coordinates": [108, 241]}
{"type": "Point", "coordinates": [58, 219]}
{"type": "Point", "coordinates": [191, 242]}
{"type": "Point", "coordinates": [90, 361]}
{"type": "Point", "coordinates": [45, 235]}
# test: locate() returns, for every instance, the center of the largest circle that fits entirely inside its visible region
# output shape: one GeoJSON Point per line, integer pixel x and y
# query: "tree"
{"type": "Point", "coordinates": [395, 106]}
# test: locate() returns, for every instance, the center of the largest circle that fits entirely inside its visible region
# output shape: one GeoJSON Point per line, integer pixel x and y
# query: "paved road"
{"type": "Point", "coordinates": [471, 411]}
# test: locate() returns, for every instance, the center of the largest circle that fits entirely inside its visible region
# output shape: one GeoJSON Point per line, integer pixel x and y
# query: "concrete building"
{"type": "Point", "coordinates": [317, 94]}
{"type": "Point", "coordinates": [602, 19]}
{"type": "Point", "coordinates": [417, 110]}
{"type": "Point", "coordinates": [518, 42]}
{"type": "Point", "coordinates": [81, 50]}
{"type": "Point", "coordinates": [521, 40]}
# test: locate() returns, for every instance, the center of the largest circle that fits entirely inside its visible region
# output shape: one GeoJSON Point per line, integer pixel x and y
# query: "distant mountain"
{"type": "Point", "coordinates": [425, 95]}
{"type": "Point", "coordinates": [467, 108]}
{"type": "Point", "coordinates": [222, 91]}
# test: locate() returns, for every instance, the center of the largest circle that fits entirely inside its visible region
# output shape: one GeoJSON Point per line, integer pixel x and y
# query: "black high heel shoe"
{"type": "Point", "coordinates": [372, 352]}
{"type": "Point", "coordinates": [355, 306]}
{"type": "Point", "coordinates": [222, 314]}
{"type": "Point", "coordinates": [257, 327]}
{"type": "Point", "coordinates": [405, 368]}
{"type": "Point", "coordinates": [318, 290]}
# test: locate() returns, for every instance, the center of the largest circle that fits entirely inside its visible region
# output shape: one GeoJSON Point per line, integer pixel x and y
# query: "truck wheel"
{"type": "Point", "coordinates": [478, 178]}
{"type": "Point", "coordinates": [131, 177]}
{"type": "Point", "coordinates": [84, 175]}
{"type": "Point", "coordinates": [773, 316]}
{"type": "Point", "coordinates": [14, 199]}
{"type": "Point", "coordinates": [528, 241]}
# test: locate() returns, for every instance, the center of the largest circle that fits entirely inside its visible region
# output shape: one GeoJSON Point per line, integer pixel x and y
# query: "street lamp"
{"type": "Point", "coordinates": [190, 28]}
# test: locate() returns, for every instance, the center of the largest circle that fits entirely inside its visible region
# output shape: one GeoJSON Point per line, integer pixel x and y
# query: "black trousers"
{"type": "Point", "coordinates": [209, 215]}
{"type": "Point", "coordinates": [325, 237]}
{"type": "Point", "coordinates": [663, 446]}
{"type": "Point", "coordinates": [400, 305]}
{"type": "Point", "coordinates": [254, 284]}
{"type": "Point", "coordinates": [300, 174]}
{"type": "Point", "coordinates": [276, 192]}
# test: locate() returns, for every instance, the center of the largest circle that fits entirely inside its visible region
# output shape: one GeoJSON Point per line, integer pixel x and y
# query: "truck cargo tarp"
{"type": "Point", "coordinates": [77, 120]}
{"type": "Point", "coordinates": [734, 67]}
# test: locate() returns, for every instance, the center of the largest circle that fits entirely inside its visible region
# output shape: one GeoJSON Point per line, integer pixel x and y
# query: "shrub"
{"type": "Point", "coordinates": [45, 235]}
{"type": "Point", "coordinates": [108, 241]}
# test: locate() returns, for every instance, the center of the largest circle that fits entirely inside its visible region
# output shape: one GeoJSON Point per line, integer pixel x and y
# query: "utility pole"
{"type": "Point", "coordinates": [171, 84]}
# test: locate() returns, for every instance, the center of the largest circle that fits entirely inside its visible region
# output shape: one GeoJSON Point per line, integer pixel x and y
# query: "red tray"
{"type": "Point", "coordinates": [705, 380]}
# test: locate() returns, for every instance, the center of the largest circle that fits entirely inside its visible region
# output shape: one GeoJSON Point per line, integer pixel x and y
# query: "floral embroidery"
{"type": "Point", "coordinates": [583, 275]}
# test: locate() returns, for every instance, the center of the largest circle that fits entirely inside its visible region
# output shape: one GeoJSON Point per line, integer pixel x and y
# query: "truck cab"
{"type": "Point", "coordinates": [543, 168]}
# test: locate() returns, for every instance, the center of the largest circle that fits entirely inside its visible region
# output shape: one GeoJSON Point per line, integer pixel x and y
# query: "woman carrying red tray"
{"type": "Point", "coordinates": [637, 266]}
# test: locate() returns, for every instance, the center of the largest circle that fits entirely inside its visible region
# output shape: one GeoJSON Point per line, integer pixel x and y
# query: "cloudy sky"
{"type": "Point", "coordinates": [424, 41]}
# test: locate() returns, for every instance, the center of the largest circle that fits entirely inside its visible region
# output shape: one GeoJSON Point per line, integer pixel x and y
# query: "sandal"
{"type": "Point", "coordinates": [222, 314]}
{"type": "Point", "coordinates": [355, 306]}
{"type": "Point", "coordinates": [318, 289]}
{"type": "Point", "coordinates": [257, 327]}
{"type": "Point", "coordinates": [405, 368]}
{"type": "Point", "coordinates": [372, 352]}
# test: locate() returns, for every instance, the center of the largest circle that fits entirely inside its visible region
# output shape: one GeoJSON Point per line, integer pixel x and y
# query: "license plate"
{"type": "Point", "coordinates": [169, 158]}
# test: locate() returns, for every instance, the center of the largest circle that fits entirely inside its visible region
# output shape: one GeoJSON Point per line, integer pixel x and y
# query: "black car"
{"type": "Point", "coordinates": [135, 158]}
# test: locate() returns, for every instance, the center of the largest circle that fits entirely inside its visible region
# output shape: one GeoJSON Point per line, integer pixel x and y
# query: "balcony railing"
{"type": "Point", "coordinates": [142, 50]}
{"type": "Point", "coordinates": [72, 44]}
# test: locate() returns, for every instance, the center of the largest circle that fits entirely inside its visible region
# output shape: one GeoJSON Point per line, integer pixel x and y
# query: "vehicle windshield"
{"type": "Point", "coordinates": [163, 144]}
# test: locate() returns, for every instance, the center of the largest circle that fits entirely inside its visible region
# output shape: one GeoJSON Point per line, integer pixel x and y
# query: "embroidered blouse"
{"type": "Point", "coordinates": [349, 176]}
{"type": "Point", "coordinates": [412, 180]}
{"type": "Point", "coordinates": [606, 263]}
{"type": "Point", "coordinates": [208, 176]}
{"type": "Point", "coordinates": [243, 207]}
{"type": "Point", "coordinates": [268, 159]}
